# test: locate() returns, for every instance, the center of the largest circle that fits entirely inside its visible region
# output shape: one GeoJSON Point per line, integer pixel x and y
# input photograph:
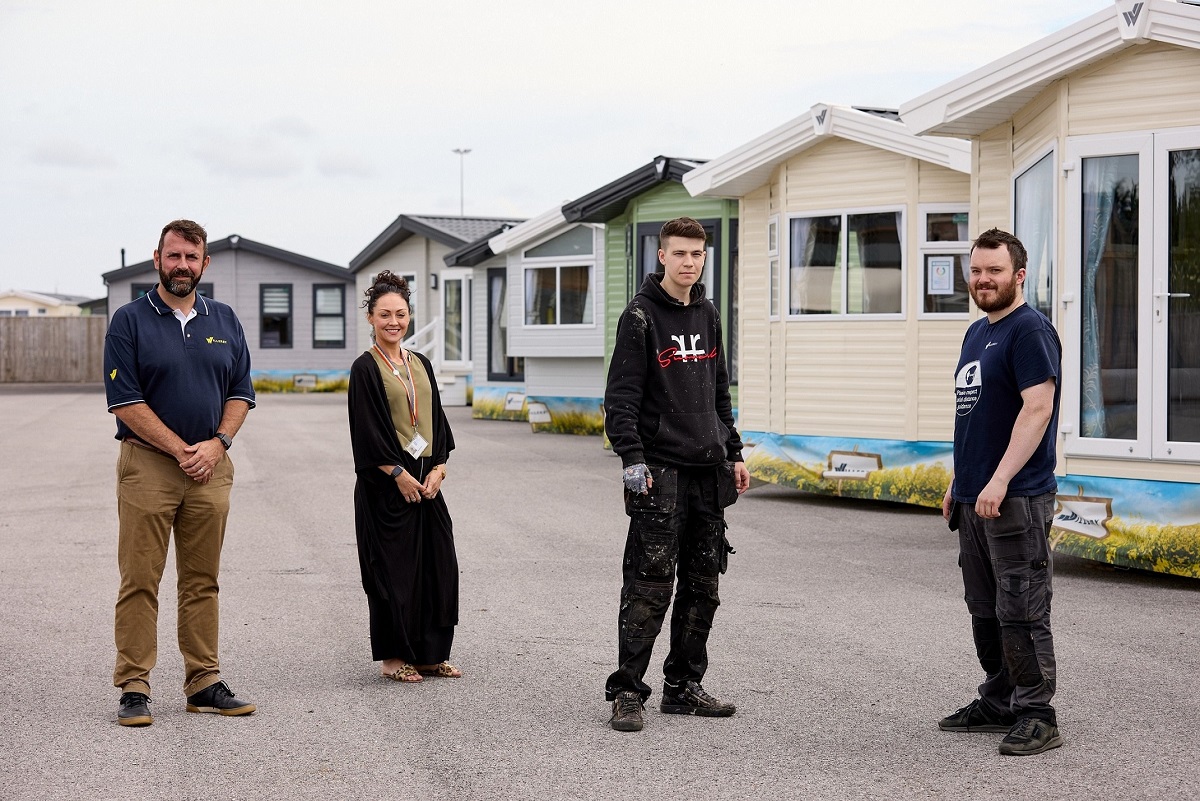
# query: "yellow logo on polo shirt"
{"type": "Point", "coordinates": [113, 374]}
{"type": "Point", "coordinates": [215, 341]}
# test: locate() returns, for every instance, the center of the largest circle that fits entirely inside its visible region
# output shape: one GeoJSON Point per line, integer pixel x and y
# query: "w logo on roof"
{"type": "Point", "coordinates": [1131, 17]}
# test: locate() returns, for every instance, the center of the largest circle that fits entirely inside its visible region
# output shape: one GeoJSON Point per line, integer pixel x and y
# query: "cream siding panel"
{"type": "Point", "coordinates": [941, 341]}
{"type": "Point", "coordinates": [754, 356]}
{"type": "Point", "coordinates": [941, 185]}
{"type": "Point", "coordinates": [841, 174]}
{"type": "Point", "coordinates": [846, 379]}
{"type": "Point", "coordinates": [992, 154]}
{"type": "Point", "coordinates": [1155, 85]}
{"type": "Point", "coordinates": [1035, 126]}
{"type": "Point", "coordinates": [1120, 468]}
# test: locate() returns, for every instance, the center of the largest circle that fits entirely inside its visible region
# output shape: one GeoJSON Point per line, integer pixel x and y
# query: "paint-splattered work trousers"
{"type": "Point", "coordinates": [676, 540]}
{"type": "Point", "coordinates": [1007, 571]}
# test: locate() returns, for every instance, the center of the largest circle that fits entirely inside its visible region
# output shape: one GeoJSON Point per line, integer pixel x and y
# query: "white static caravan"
{"type": "Point", "coordinates": [555, 270]}
{"type": "Point", "coordinates": [852, 300]}
{"type": "Point", "coordinates": [1086, 145]}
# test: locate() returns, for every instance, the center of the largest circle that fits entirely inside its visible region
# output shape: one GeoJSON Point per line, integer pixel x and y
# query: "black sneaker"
{"type": "Point", "coordinates": [627, 711]}
{"type": "Point", "coordinates": [1030, 736]}
{"type": "Point", "coordinates": [975, 717]}
{"type": "Point", "coordinates": [218, 699]}
{"type": "Point", "coordinates": [691, 699]}
{"type": "Point", "coordinates": [134, 710]}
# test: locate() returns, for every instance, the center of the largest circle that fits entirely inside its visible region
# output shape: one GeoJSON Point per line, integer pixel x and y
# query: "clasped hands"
{"type": "Point", "coordinates": [201, 459]}
{"type": "Point", "coordinates": [413, 490]}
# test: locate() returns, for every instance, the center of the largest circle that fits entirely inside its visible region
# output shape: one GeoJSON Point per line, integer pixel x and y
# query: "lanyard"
{"type": "Point", "coordinates": [411, 397]}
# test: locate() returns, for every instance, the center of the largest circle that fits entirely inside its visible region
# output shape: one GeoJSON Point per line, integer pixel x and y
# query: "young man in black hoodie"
{"type": "Point", "coordinates": [669, 417]}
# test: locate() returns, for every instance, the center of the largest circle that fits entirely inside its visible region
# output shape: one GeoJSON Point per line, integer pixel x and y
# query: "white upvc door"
{"type": "Point", "coordinates": [456, 319]}
{"type": "Point", "coordinates": [1175, 299]}
{"type": "Point", "coordinates": [1131, 385]}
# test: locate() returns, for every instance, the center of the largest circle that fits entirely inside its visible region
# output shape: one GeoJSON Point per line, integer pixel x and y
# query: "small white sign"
{"type": "Point", "coordinates": [538, 413]}
{"type": "Point", "coordinates": [514, 401]}
{"type": "Point", "coordinates": [940, 280]}
{"type": "Point", "coordinates": [852, 465]}
{"type": "Point", "coordinates": [304, 381]}
{"type": "Point", "coordinates": [1086, 516]}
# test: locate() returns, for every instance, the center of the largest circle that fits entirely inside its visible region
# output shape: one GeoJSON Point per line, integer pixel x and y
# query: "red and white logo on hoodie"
{"type": "Point", "coordinates": [684, 352]}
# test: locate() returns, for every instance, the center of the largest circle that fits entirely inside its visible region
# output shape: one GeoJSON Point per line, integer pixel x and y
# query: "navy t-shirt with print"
{"type": "Point", "coordinates": [998, 360]}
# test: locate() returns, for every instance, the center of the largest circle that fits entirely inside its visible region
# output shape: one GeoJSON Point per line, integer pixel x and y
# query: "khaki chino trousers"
{"type": "Point", "coordinates": [154, 497]}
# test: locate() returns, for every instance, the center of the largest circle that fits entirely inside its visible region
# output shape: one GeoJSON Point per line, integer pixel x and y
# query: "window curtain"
{"type": "Point", "coordinates": [498, 327]}
{"type": "Point", "coordinates": [1100, 178]}
{"type": "Point", "coordinates": [1035, 210]}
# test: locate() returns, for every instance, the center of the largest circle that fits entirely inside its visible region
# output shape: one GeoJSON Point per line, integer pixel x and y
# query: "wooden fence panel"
{"type": "Point", "coordinates": [52, 349]}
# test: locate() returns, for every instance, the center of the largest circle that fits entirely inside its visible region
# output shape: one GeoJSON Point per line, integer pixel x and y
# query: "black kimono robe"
{"type": "Point", "coordinates": [405, 550]}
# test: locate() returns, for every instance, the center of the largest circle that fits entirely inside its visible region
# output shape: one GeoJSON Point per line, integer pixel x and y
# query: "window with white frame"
{"type": "Point", "coordinates": [1034, 224]}
{"type": "Point", "coordinates": [847, 263]}
{"type": "Point", "coordinates": [774, 289]}
{"type": "Point", "coordinates": [945, 249]}
{"type": "Point", "coordinates": [558, 280]}
{"type": "Point", "coordinates": [329, 316]}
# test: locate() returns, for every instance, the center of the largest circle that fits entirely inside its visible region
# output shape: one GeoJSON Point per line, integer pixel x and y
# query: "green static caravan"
{"type": "Point", "coordinates": [633, 209]}
{"type": "Point", "coordinates": [852, 300]}
{"type": "Point", "coordinates": [1086, 144]}
{"type": "Point", "coordinates": [577, 266]}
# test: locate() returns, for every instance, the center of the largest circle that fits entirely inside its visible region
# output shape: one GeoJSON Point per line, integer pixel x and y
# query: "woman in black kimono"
{"type": "Point", "coordinates": [401, 442]}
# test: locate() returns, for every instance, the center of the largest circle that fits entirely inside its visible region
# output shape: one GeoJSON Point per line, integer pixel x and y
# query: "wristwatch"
{"type": "Point", "coordinates": [396, 471]}
{"type": "Point", "coordinates": [225, 440]}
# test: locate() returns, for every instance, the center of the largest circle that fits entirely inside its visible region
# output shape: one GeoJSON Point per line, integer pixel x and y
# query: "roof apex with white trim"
{"type": "Point", "coordinates": [743, 170]}
{"type": "Point", "coordinates": [986, 97]}
{"type": "Point", "coordinates": [526, 232]}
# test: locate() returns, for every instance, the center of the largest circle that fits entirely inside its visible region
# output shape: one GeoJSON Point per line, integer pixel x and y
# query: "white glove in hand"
{"type": "Point", "coordinates": [637, 478]}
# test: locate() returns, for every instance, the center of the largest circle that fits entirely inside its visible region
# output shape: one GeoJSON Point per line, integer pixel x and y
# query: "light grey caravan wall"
{"type": "Point", "coordinates": [52, 349]}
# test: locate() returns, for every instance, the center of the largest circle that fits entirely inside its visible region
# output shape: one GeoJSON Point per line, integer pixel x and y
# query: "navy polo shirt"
{"type": "Point", "coordinates": [184, 376]}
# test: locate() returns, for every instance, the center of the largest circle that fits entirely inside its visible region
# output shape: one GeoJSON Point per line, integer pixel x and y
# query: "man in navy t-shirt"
{"type": "Point", "coordinates": [1001, 500]}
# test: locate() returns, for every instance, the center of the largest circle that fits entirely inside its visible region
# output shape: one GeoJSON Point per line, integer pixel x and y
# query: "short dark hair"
{"type": "Point", "coordinates": [191, 231]}
{"type": "Point", "coordinates": [386, 283]}
{"type": "Point", "coordinates": [684, 227]}
{"type": "Point", "coordinates": [994, 238]}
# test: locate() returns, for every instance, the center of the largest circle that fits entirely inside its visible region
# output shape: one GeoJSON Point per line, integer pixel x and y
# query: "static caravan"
{"type": "Point", "coordinates": [632, 209]}
{"type": "Point", "coordinates": [297, 312]}
{"type": "Point", "coordinates": [1086, 145]}
{"type": "Point", "coordinates": [414, 247]}
{"type": "Point", "coordinates": [497, 378]}
{"type": "Point", "coordinates": [555, 315]}
{"type": "Point", "coordinates": [853, 300]}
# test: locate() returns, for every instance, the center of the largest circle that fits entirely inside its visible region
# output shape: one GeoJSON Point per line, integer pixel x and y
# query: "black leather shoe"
{"type": "Point", "coordinates": [975, 717]}
{"type": "Point", "coordinates": [218, 699]}
{"type": "Point", "coordinates": [134, 710]}
{"type": "Point", "coordinates": [691, 699]}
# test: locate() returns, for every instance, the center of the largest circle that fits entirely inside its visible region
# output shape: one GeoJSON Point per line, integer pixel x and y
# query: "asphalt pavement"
{"type": "Point", "coordinates": [842, 637]}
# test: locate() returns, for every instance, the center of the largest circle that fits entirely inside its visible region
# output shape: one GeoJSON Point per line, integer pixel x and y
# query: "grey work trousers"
{"type": "Point", "coordinates": [1007, 572]}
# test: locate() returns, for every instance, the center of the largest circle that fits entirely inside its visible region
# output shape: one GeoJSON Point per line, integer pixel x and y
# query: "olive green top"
{"type": "Point", "coordinates": [398, 393]}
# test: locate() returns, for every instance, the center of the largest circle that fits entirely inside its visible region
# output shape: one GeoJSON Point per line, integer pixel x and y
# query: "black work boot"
{"type": "Point", "coordinates": [134, 710]}
{"type": "Point", "coordinates": [218, 699]}
{"type": "Point", "coordinates": [691, 699]}
{"type": "Point", "coordinates": [975, 717]}
{"type": "Point", "coordinates": [627, 711]}
{"type": "Point", "coordinates": [1030, 736]}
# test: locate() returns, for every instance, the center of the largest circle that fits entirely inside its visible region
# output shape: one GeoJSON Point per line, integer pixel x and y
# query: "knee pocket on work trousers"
{"type": "Point", "coordinates": [646, 605]}
{"type": "Point", "coordinates": [656, 552]}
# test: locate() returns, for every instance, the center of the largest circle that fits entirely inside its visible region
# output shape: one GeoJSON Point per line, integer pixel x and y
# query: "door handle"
{"type": "Point", "coordinates": [1172, 294]}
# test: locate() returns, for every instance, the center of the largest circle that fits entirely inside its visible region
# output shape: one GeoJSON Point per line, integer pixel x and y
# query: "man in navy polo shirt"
{"type": "Point", "coordinates": [177, 374]}
{"type": "Point", "coordinates": [1001, 500]}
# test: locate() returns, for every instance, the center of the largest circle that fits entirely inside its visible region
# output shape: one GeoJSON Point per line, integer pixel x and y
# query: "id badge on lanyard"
{"type": "Point", "coordinates": [417, 446]}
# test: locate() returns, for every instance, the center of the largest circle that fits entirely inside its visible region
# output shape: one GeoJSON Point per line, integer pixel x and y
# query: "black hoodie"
{"type": "Point", "coordinates": [667, 399]}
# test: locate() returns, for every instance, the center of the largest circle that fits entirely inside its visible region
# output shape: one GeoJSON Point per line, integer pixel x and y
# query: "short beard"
{"type": "Point", "coordinates": [1004, 299]}
{"type": "Point", "coordinates": [179, 286]}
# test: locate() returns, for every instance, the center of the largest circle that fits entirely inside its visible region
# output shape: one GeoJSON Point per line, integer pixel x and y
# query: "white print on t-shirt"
{"type": "Point", "coordinates": [968, 385]}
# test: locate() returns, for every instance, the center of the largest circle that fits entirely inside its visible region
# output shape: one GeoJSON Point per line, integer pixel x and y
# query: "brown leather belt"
{"type": "Point", "coordinates": [141, 444]}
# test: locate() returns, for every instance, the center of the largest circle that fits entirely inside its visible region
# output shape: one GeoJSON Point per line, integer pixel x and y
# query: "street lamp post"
{"type": "Point", "coordinates": [462, 152]}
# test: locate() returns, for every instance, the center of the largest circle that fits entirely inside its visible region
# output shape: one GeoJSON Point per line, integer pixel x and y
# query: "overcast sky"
{"type": "Point", "coordinates": [310, 126]}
